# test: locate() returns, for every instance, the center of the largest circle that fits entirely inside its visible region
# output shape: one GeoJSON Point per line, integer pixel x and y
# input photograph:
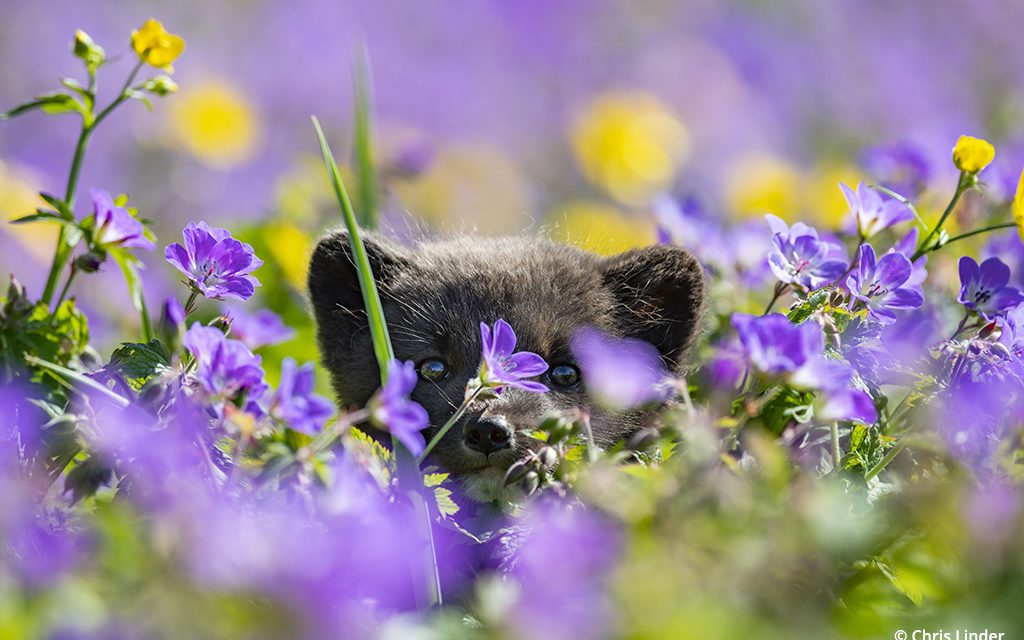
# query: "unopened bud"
{"type": "Point", "coordinates": [90, 262]}
{"type": "Point", "coordinates": [161, 86]}
{"type": "Point", "coordinates": [548, 457]}
{"type": "Point", "coordinates": [516, 472]}
{"type": "Point", "coordinates": [531, 482]}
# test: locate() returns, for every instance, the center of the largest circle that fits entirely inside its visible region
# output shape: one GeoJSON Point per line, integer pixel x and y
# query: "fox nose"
{"type": "Point", "coordinates": [487, 435]}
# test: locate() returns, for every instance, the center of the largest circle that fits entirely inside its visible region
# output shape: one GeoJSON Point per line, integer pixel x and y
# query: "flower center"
{"type": "Point", "coordinates": [982, 296]}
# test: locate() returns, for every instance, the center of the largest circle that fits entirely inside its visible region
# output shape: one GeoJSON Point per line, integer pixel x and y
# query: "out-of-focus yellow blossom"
{"type": "Point", "coordinates": [291, 248]}
{"type": "Point", "coordinates": [155, 46]}
{"type": "Point", "coordinates": [469, 187]}
{"type": "Point", "coordinates": [823, 200]}
{"type": "Point", "coordinates": [19, 198]}
{"type": "Point", "coordinates": [1018, 206]}
{"type": "Point", "coordinates": [972, 154]}
{"type": "Point", "coordinates": [216, 123]}
{"type": "Point", "coordinates": [299, 193]}
{"type": "Point", "coordinates": [761, 183]}
{"type": "Point", "coordinates": [600, 228]}
{"type": "Point", "coordinates": [630, 144]}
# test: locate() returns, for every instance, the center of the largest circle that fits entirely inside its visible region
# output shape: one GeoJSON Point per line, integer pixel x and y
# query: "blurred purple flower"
{"type": "Point", "coordinates": [900, 167]}
{"type": "Point", "coordinates": [38, 549]}
{"type": "Point", "coordinates": [502, 366]}
{"type": "Point", "coordinates": [115, 227]}
{"type": "Point", "coordinates": [226, 366]}
{"type": "Point", "coordinates": [294, 401]}
{"type": "Point", "coordinates": [216, 264]}
{"type": "Point", "coordinates": [727, 363]}
{"type": "Point", "coordinates": [682, 222]}
{"type": "Point", "coordinates": [259, 329]}
{"type": "Point", "coordinates": [622, 373]}
{"type": "Point", "coordinates": [871, 213]}
{"type": "Point", "coordinates": [561, 562]}
{"type": "Point", "coordinates": [847, 404]}
{"type": "Point", "coordinates": [880, 285]}
{"type": "Point", "coordinates": [800, 257]}
{"type": "Point", "coordinates": [173, 313]}
{"type": "Point", "coordinates": [907, 245]}
{"type": "Point", "coordinates": [984, 288]}
{"type": "Point", "coordinates": [392, 410]}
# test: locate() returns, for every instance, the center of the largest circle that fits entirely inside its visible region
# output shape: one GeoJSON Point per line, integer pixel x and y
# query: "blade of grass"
{"type": "Point", "coordinates": [371, 297]}
{"type": "Point", "coordinates": [363, 151]}
{"type": "Point", "coordinates": [428, 590]}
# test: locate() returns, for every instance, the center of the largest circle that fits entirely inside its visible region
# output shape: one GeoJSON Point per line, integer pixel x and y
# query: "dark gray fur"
{"type": "Point", "coordinates": [436, 294]}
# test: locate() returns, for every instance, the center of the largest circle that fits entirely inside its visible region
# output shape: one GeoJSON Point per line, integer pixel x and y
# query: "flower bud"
{"type": "Point", "coordinates": [90, 262]}
{"type": "Point", "coordinates": [172, 323]}
{"type": "Point", "coordinates": [548, 457]}
{"type": "Point", "coordinates": [516, 472]}
{"type": "Point", "coordinates": [531, 482]}
{"type": "Point", "coordinates": [971, 155]}
{"type": "Point", "coordinates": [90, 53]}
{"type": "Point", "coordinates": [161, 85]}
{"type": "Point", "coordinates": [223, 323]}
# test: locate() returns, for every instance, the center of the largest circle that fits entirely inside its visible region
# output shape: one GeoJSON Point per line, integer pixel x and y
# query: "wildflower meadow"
{"type": "Point", "coordinates": [839, 458]}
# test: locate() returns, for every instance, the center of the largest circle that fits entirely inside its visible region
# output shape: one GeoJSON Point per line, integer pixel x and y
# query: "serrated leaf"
{"type": "Point", "coordinates": [434, 479]}
{"type": "Point", "coordinates": [139, 363]}
{"type": "Point", "coordinates": [445, 505]}
{"type": "Point", "coordinates": [805, 309]}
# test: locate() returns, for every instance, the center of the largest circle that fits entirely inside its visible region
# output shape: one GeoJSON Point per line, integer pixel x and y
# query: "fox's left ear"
{"type": "Point", "coordinates": [660, 295]}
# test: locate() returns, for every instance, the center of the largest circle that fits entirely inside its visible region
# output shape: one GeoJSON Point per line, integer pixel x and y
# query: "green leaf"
{"type": "Point", "coordinates": [434, 479]}
{"type": "Point", "coordinates": [445, 505]}
{"type": "Point", "coordinates": [806, 308]}
{"type": "Point", "coordinates": [139, 363]}
{"type": "Point", "coordinates": [141, 97]}
{"type": "Point", "coordinates": [363, 148]}
{"type": "Point", "coordinates": [58, 204]}
{"type": "Point", "coordinates": [41, 215]}
{"type": "Point", "coordinates": [52, 103]}
{"type": "Point", "coordinates": [371, 297]}
{"type": "Point", "coordinates": [74, 376]}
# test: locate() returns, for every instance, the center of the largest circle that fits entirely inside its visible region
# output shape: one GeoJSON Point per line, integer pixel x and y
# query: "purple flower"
{"type": "Point", "coordinates": [871, 213]}
{"type": "Point", "coordinates": [294, 401]}
{"type": "Point", "coordinates": [502, 366]}
{"type": "Point", "coordinates": [216, 264]}
{"type": "Point", "coordinates": [622, 373]}
{"type": "Point", "coordinates": [879, 284]}
{"type": "Point", "coordinates": [115, 227]}
{"type": "Point", "coordinates": [800, 257]}
{"type": "Point", "coordinates": [776, 346]}
{"type": "Point", "coordinates": [392, 410]}
{"type": "Point", "coordinates": [259, 329]}
{"type": "Point", "coordinates": [907, 245]}
{"type": "Point", "coordinates": [984, 289]}
{"type": "Point", "coordinates": [226, 367]}
{"type": "Point", "coordinates": [902, 167]}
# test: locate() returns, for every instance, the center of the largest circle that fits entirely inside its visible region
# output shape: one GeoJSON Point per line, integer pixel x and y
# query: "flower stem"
{"type": "Point", "coordinates": [962, 185]}
{"type": "Point", "coordinates": [995, 227]}
{"type": "Point", "coordinates": [884, 462]}
{"type": "Point", "coordinates": [780, 288]}
{"type": "Point", "coordinates": [960, 327]}
{"type": "Point", "coordinates": [448, 425]}
{"type": "Point", "coordinates": [67, 285]}
{"type": "Point", "coordinates": [63, 251]}
{"type": "Point", "coordinates": [332, 433]}
{"type": "Point", "coordinates": [837, 452]}
{"type": "Point", "coordinates": [190, 303]}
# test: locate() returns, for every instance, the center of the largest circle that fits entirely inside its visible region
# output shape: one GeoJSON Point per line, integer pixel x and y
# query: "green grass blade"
{"type": "Point", "coordinates": [74, 376]}
{"type": "Point", "coordinates": [363, 151]}
{"type": "Point", "coordinates": [371, 297]}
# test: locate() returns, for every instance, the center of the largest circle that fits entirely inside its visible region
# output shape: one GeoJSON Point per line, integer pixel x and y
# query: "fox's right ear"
{"type": "Point", "coordinates": [334, 284]}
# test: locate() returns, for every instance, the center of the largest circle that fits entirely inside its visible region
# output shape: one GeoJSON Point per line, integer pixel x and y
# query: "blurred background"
{"type": "Point", "coordinates": [567, 117]}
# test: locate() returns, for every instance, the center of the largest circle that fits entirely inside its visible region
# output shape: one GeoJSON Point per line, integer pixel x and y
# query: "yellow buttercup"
{"type": "Point", "coordinates": [971, 155]}
{"type": "Point", "coordinates": [1018, 206]}
{"type": "Point", "coordinates": [156, 46]}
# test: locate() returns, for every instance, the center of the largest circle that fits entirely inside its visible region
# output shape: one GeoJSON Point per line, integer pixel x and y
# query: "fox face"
{"type": "Point", "coordinates": [436, 294]}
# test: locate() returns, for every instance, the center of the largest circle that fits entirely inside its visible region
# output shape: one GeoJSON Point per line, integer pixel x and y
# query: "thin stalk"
{"type": "Point", "coordinates": [962, 185]}
{"type": "Point", "coordinates": [67, 285]}
{"type": "Point", "coordinates": [837, 452]}
{"type": "Point", "coordinates": [884, 462]}
{"type": "Point", "coordinates": [191, 302]}
{"type": "Point", "coordinates": [780, 288]}
{"type": "Point", "coordinates": [448, 425]}
{"type": "Point", "coordinates": [995, 227]}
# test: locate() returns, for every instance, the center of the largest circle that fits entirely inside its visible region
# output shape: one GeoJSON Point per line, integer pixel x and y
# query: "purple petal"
{"type": "Point", "coordinates": [849, 404]}
{"type": "Point", "coordinates": [969, 271]}
{"type": "Point", "coordinates": [893, 270]}
{"type": "Point", "coordinates": [526, 364]}
{"type": "Point", "coordinates": [529, 385]}
{"type": "Point", "coordinates": [993, 274]}
{"type": "Point", "coordinates": [903, 298]}
{"type": "Point", "coordinates": [504, 338]}
{"type": "Point", "coordinates": [178, 256]}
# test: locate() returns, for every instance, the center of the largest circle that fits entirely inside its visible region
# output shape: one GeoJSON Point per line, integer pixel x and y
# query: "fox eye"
{"type": "Point", "coordinates": [565, 376]}
{"type": "Point", "coordinates": [433, 370]}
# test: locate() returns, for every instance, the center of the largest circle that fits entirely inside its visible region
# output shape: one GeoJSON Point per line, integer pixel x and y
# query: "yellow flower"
{"type": "Point", "coordinates": [1018, 206]}
{"type": "Point", "coordinates": [760, 183]}
{"type": "Point", "coordinates": [600, 228]}
{"type": "Point", "coordinates": [215, 122]}
{"type": "Point", "coordinates": [155, 46]}
{"type": "Point", "coordinates": [971, 155]}
{"type": "Point", "coordinates": [630, 144]}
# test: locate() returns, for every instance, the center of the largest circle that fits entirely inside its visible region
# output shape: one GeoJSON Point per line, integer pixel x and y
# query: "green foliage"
{"type": "Point", "coordinates": [139, 363]}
